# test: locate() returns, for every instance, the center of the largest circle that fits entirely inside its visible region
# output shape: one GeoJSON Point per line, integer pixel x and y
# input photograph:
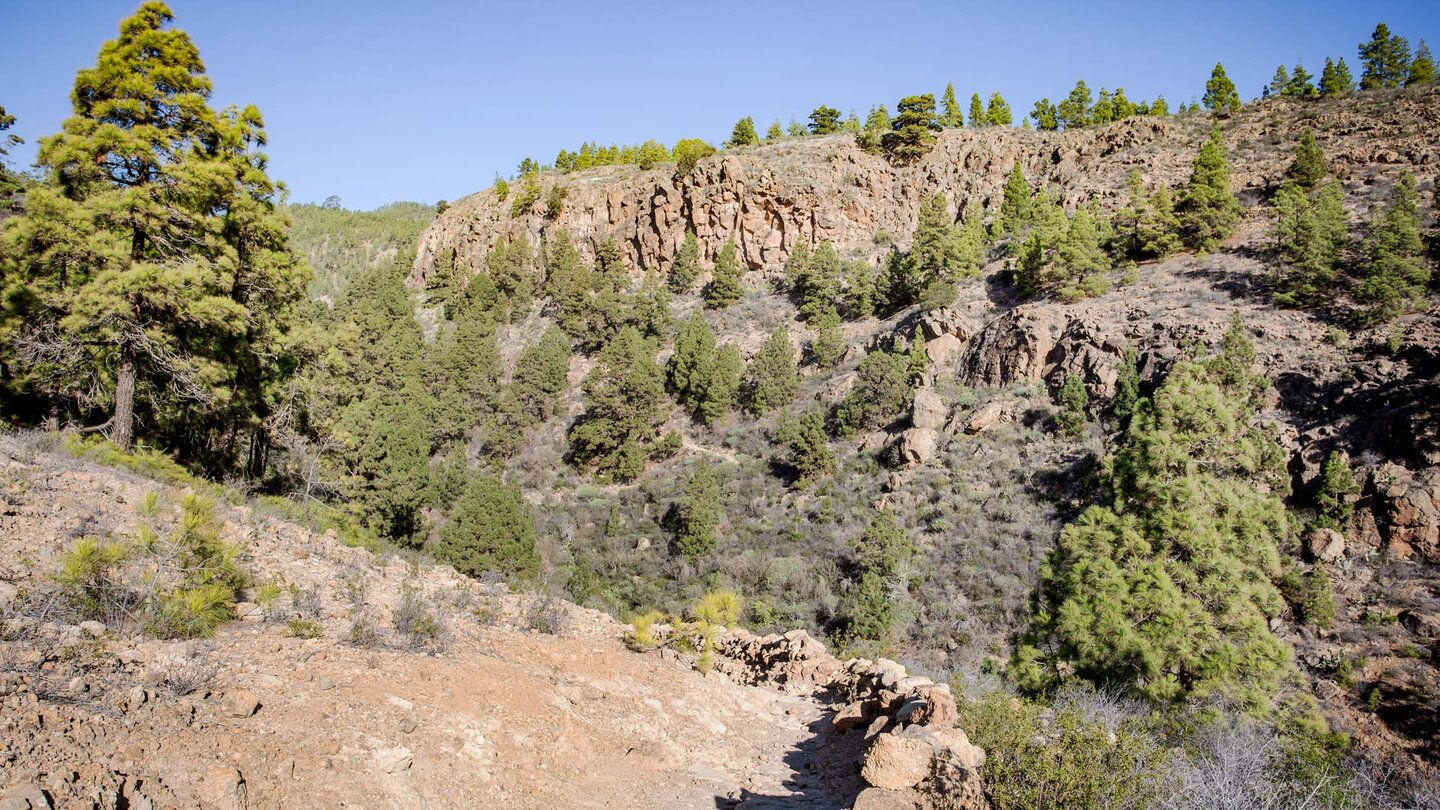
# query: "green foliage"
{"type": "Point", "coordinates": [686, 266]}
{"type": "Point", "coordinates": [625, 396]}
{"type": "Point", "coordinates": [824, 120]}
{"type": "Point", "coordinates": [722, 386]}
{"type": "Point", "coordinates": [881, 391]}
{"type": "Point", "coordinates": [1385, 60]}
{"type": "Point", "coordinates": [555, 201]}
{"type": "Point", "coordinates": [977, 111]}
{"type": "Point", "coordinates": [591, 154]}
{"type": "Point", "coordinates": [1146, 228]}
{"type": "Point", "coordinates": [1312, 596]}
{"type": "Point", "coordinates": [151, 261]}
{"type": "Point", "coordinates": [1333, 492]}
{"type": "Point", "coordinates": [194, 611]}
{"type": "Point", "coordinates": [541, 373]}
{"type": "Point", "coordinates": [774, 133]}
{"type": "Point", "coordinates": [465, 366]}
{"type": "Point", "coordinates": [697, 514]}
{"type": "Point", "coordinates": [1127, 388]}
{"type": "Point", "coordinates": [1309, 167]}
{"type": "Point", "coordinates": [818, 284]}
{"type": "Point", "coordinates": [997, 112]}
{"type": "Point", "coordinates": [773, 378]}
{"type": "Point", "coordinates": [1039, 757]}
{"type": "Point", "coordinates": [1422, 69]}
{"type": "Point", "coordinates": [337, 242]}
{"type": "Point", "coordinates": [743, 134]}
{"type": "Point", "coordinates": [950, 114]}
{"type": "Point", "coordinates": [1074, 111]}
{"type": "Point", "coordinates": [304, 628]}
{"type": "Point", "coordinates": [858, 298]}
{"type": "Point", "coordinates": [1335, 79]}
{"type": "Point", "coordinates": [1167, 591]}
{"type": "Point", "coordinates": [829, 344]}
{"type": "Point", "coordinates": [1220, 96]}
{"type": "Point", "coordinates": [1074, 406]}
{"type": "Point", "coordinates": [1081, 263]}
{"type": "Point", "coordinates": [1396, 275]}
{"type": "Point", "coordinates": [724, 288]}
{"type": "Point", "coordinates": [688, 152]}
{"type": "Point", "coordinates": [1208, 210]}
{"type": "Point", "coordinates": [490, 530]}
{"type": "Point", "coordinates": [1015, 205]}
{"type": "Point", "coordinates": [868, 608]}
{"type": "Point", "coordinates": [687, 374]}
{"type": "Point", "coordinates": [1311, 235]}
{"type": "Point", "coordinates": [912, 133]}
{"type": "Point", "coordinates": [87, 574]}
{"type": "Point", "coordinates": [1046, 115]}
{"type": "Point", "coordinates": [524, 200]}
{"type": "Point", "coordinates": [809, 447]}
{"type": "Point", "coordinates": [940, 255]}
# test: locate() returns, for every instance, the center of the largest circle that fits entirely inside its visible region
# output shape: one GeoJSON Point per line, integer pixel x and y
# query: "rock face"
{"type": "Point", "coordinates": [769, 198]}
{"type": "Point", "coordinates": [1407, 510]}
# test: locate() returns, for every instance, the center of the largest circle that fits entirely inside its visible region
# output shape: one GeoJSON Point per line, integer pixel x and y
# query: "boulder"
{"type": "Point", "coordinates": [896, 763]}
{"type": "Point", "coordinates": [1325, 545]}
{"type": "Point", "coordinates": [984, 416]}
{"type": "Point", "coordinates": [941, 350]}
{"type": "Point", "coordinates": [928, 410]}
{"type": "Point", "coordinates": [943, 322]}
{"type": "Point", "coordinates": [852, 716]}
{"type": "Point", "coordinates": [918, 445]}
{"type": "Point", "coordinates": [1012, 348]}
{"type": "Point", "coordinates": [25, 797]}
{"type": "Point", "coordinates": [1407, 510]}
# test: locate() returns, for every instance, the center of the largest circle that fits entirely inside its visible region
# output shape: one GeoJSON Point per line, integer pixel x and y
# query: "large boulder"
{"type": "Point", "coordinates": [918, 445]}
{"type": "Point", "coordinates": [928, 410]}
{"type": "Point", "coordinates": [1406, 507]}
{"type": "Point", "coordinates": [1012, 348]}
{"type": "Point", "coordinates": [896, 763]}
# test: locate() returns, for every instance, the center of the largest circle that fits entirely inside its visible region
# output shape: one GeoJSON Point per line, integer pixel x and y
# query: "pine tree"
{"type": "Point", "coordinates": [1302, 83]}
{"type": "Point", "coordinates": [950, 115]}
{"type": "Point", "coordinates": [825, 120]}
{"type": "Point", "coordinates": [997, 112]}
{"type": "Point", "coordinates": [809, 447]}
{"type": "Point", "coordinates": [829, 344]}
{"type": "Point", "coordinates": [1208, 211]}
{"type": "Point", "coordinates": [1158, 107]}
{"type": "Point", "coordinates": [1396, 276]}
{"type": "Point", "coordinates": [569, 283]}
{"type": "Point", "coordinates": [1074, 404]}
{"type": "Point", "coordinates": [774, 133]}
{"type": "Point", "coordinates": [697, 514]}
{"type": "Point", "coordinates": [722, 385]}
{"type": "Point", "coordinates": [1080, 258]}
{"type": "Point", "coordinates": [1124, 108]}
{"type": "Point", "coordinates": [772, 379]}
{"type": "Point", "coordinates": [625, 397]}
{"type": "Point", "coordinates": [541, 374]}
{"type": "Point", "coordinates": [724, 288]}
{"type": "Point", "coordinates": [879, 554]}
{"type": "Point", "coordinates": [1127, 388]}
{"type": "Point", "coordinates": [796, 129]}
{"type": "Point", "coordinates": [1074, 111]}
{"type": "Point", "coordinates": [1166, 591]}
{"type": "Point", "coordinates": [1422, 69]}
{"type": "Point", "coordinates": [1310, 237]}
{"type": "Point", "coordinates": [743, 134]}
{"type": "Point", "coordinates": [490, 531]}
{"type": "Point", "coordinates": [935, 250]}
{"type": "Point", "coordinates": [689, 368]}
{"type": "Point", "coordinates": [686, 266]}
{"type": "Point", "coordinates": [977, 111]}
{"type": "Point", "coordinates": [1220, 96]}
{"type": "Point", "coordinates": [820, 285]}
{"type": "Point", "coordinates": [1309, 167]}
{"type": "Point", "coordinates": [912, 134]}
{"type": "Point", "coordinates": [1385, 60]}
{"type": "Point", "coordinates": [1335, 79]}
{"type": "Point", "coordinates": [466, 368]}
{"type": "Point", "coordinates": [1015, 205]}
{"type": "Point", "coordinates": [859, 295]}
{"type": "Point", "coordinates": [1104, 110]}
{"type": "Point", "coordinates": [1046, 115]}
{"type": "Point", "coordinates": [882, 390]}
{"type": "Point", "coordinates": [1159, 232]}
{"type": "Point", "coordinates": [1333, 492]}
{"type": "Point", "coordinates": [512, 267]}
{"type": "Point", "coordinates": [1279, 83]}
{"type": "Point", "coordinates": [152, 258]}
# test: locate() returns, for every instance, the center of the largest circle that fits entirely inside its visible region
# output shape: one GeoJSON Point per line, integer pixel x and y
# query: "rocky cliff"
{"type": "Point", "coordinates": [769, 198]}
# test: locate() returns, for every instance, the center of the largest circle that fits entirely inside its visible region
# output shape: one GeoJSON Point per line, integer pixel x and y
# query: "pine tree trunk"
{"type": "Point", "coordinates": [124, 432]}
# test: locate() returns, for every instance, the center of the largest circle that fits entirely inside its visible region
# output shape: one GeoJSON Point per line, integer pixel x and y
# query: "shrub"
{"type": "Point", "coordinates": [304, 628]}
{"type": "Point", "coordinates": [642, 630]}
{"type": "Point", "coordinates": [413, 620]}
{"type": "Point", "coordinates": [87, 579]}
{"type": "Point", "coordinates": [688, 152]}
{"type": "Point", "coordinates": [195, 612]}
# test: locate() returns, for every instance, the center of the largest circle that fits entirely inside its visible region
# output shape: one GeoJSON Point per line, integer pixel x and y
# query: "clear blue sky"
{"type": "Point", "coordinates": [381, 101]}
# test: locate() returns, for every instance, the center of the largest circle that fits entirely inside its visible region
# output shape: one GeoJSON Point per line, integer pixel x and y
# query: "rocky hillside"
{"type": "Point", "coordinates": [972, 467]}
{"type": "Point", "coordinates": [326, 697]}
{"type": "Point", "coordinates": [769, 198]}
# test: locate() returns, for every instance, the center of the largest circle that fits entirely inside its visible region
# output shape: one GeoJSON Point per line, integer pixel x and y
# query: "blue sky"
{"type": "Point", "coordinates": [429, 100]}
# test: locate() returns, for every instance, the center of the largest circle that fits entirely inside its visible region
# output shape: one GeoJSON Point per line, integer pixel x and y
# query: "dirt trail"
{"type": "Point", "coordinates": [503, 715]}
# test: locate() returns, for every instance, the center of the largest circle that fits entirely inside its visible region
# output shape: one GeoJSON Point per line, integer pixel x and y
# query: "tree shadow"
{"type": "Point", "coordinates": [824, 770]}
